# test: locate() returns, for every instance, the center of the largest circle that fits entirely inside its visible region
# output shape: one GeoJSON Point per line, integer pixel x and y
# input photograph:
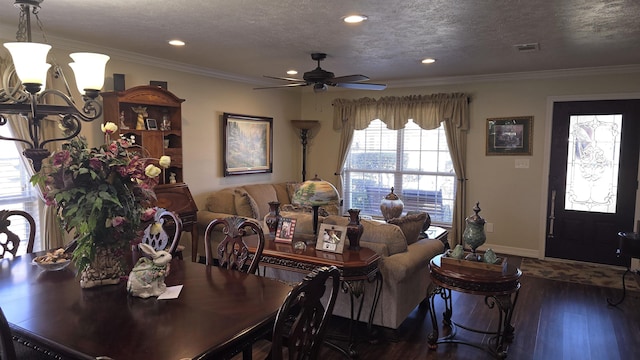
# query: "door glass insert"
{"type": "Point", "coordinates": [592, 163]}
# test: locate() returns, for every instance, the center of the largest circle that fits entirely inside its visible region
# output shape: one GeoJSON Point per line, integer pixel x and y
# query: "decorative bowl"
{"type": "Point", "coordinates": [53, 261]}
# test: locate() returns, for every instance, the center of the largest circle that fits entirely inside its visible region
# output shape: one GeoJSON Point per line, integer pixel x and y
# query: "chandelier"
{"type": "Point", "coordinates": [24, 89]}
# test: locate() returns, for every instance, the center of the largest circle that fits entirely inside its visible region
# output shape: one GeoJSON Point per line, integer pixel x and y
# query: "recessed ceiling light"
{"type": "Point", "coordinates": [428, 61]}
{"type": "Point", "coordinates": [354, 19]}
{"type": "Point", "coordinates": [292, 72]}
{"type": "Point", "coordinates": [176, 42]}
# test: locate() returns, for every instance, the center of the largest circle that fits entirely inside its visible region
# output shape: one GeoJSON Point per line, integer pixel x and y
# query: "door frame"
{"type": "Point", "coordinates": [544, 201]}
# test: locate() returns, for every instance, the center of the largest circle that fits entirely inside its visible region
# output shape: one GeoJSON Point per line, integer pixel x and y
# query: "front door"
{"type": "Point", "coordinates": [592, 178]}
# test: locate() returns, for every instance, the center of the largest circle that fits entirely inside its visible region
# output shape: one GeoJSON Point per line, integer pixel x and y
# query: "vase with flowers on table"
{"type": "Point", "coordinates": [102, 195]}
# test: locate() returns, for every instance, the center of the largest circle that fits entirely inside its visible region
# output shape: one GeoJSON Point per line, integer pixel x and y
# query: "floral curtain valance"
{"type": "Point", "coordinates": [428, 111]}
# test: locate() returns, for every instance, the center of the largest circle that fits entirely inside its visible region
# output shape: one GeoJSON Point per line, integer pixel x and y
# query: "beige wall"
{"type": "Point", "coordinates": [206, 98]}
{"type": "Point", "coordinates": [514, 200]}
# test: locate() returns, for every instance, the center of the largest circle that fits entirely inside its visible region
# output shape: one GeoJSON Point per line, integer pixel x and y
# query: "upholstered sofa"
{"type": "Point", "coordinates": [404, 254]}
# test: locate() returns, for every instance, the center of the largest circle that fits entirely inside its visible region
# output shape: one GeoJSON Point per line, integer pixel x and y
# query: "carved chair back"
{"type": "Point", "coordinates": [9, 241]}
{"type": "Point", "coordinates": [164, 232]}
{"type": "Point", "coordinates": [301, 322]}
{"type": "Point", "coordinates": [233, 252]}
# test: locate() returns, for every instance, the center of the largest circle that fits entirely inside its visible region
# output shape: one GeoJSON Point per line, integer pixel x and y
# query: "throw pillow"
{"type": "Point", "coordinates": [411, 225]}
{"type": "Point", "coordinates": [222, 201]}
{"type": "Point", "coordinates": [245, 206]}
{"type": "Point", "coordinates": [261, 194]}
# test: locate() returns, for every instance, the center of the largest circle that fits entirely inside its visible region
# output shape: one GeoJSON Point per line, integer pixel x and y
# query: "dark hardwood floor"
{"type": "Point", "coordinates": [552, 320]}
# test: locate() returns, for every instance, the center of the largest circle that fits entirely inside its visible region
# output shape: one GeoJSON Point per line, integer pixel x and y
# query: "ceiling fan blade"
{"type": "Point", "coordinates": [281, 86]}
{"type": "Point", "coordinates": [284, 78]}
{"type": "Point", "coordinates": [349, 78]}
{"type": "Point", "coordinates": [361, 86]}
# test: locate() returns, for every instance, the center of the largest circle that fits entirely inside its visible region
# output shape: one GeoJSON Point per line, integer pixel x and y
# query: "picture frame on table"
{"type": "Point", "coordinates": [331, 238]}
{"type": "Point", "coordinates": [151, 124]}
{"type": "Point", "coordinates": [510, 136]}
{"type": "Point", "coordinates": [247, 144]}
{"type": "Point", "coordinates": [286, 228]}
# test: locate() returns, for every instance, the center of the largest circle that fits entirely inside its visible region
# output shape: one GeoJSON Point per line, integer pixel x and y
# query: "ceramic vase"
{"type": "Point", "coordinates": [107, 268]}
{"type": "Point", "coordinates": [354, 229]}
{"type": "Point", "coordinates": [474, 235]}
{"type": "Point", "coordinates": [391, 206]}
{"type": "Point", "coordinates": [273, 217]}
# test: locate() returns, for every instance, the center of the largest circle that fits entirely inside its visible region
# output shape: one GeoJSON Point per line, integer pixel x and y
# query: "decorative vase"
{"type": "Point", "coordinates": [474, 235]}
{"type": "Point", "coordinates": [391, 206]}
{"type": "Point", "coordinates": [354, 229]}
{"type": "Point", "coordinates": [273, 217]}
{"type": "Point", "coordinates": [105, 269]}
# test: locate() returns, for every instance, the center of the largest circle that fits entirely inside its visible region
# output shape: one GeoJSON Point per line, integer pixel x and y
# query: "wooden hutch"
{"type": "Point", "coordinates": [165, 138]}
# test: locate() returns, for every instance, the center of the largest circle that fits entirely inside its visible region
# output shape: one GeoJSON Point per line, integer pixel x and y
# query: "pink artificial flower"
{"type": "Point", "coordinates": [95, 163]}
{"type": "Point", "coordinates": [61, 157]}
{"type": "Point", "coordinates": [148, 214]}
{"type": "Point", "coordinates": [117, 221]}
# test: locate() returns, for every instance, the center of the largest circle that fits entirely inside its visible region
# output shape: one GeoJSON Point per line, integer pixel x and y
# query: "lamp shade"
{"type": "Point", "coordinates": [315, 192]}
{"type": "Point", "coordinates": [89, 70]}
{"type": "Point", "coordinates": [30, 61]}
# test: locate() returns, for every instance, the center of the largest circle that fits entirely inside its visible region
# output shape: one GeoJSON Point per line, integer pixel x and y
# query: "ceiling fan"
{"type": "Point", "coordinates": [322, 79]}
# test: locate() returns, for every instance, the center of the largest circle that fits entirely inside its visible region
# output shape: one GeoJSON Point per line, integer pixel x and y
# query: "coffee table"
{"type": "Point", "coordinates": [500, 290]}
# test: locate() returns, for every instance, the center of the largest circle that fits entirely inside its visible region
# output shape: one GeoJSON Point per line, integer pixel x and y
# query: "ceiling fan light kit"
{"type": "Point", "coordinates": [321, 79]}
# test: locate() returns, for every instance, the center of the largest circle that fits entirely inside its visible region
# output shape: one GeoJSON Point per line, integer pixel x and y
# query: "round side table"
{"type": "Point", "coordinates": [500, 290]}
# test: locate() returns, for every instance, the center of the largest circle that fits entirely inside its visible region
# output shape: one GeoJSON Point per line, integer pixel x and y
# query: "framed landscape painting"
{"type": "Point", "coordinates": [247, 144]}
{"type": "Point", "coordinates": [510, 136]}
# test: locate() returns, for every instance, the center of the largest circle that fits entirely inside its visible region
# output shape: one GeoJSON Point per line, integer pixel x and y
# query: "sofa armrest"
{"type": "Point", "coordinates": [380, 249]}
{"type": "Point", "coordinates": [399, 266]}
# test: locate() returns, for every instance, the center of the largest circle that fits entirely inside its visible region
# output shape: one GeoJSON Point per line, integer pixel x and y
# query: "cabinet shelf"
{"type": "Point", "coordinates": [159, 104]}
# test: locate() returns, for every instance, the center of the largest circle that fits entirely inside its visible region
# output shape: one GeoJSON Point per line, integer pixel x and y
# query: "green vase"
{"type": "Point", "coordinates": [474, 235]}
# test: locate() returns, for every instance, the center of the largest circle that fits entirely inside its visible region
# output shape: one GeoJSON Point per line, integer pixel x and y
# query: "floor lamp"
{"type": "Point", "coordinates": [304, 126]}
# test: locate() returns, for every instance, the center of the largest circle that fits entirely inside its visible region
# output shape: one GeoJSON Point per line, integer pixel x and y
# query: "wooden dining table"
{"type": "Point", "coordinates": [217, 313]}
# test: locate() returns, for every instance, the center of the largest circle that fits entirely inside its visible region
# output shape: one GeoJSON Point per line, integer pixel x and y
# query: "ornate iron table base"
{"type": "Point", "coordinates": [498, 344]}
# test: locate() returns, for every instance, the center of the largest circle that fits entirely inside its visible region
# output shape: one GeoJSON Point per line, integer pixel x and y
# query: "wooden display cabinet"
{"type": "Point", "coordinates": [160, 104]}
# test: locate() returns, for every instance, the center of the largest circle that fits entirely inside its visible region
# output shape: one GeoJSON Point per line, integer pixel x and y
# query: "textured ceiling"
{"type": "Point", "coordinates": [251, 38]}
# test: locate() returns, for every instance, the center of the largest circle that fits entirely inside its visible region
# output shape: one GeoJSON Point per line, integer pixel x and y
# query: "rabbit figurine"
{"type": "Point", "coordinates": [147, 276]}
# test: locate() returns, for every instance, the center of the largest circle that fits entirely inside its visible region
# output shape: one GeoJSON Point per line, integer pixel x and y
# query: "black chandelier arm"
{"type": "Point", "coordinates": [91, 110]}
{"type": "Point", "coordinates": [72, 124]}
{"type": "Point", "coordinates": [4, 121]}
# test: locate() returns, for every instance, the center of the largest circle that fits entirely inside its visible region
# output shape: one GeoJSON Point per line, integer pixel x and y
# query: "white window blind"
{"type": "Point", "coordinates": [414, 161]}
{"type": "Point", "coordinates": [16, 192]}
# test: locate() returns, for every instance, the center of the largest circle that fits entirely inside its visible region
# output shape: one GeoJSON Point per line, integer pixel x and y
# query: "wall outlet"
{"type": "Point", "coordinates": [522, 163]}
{"type": "Point", "coordinates": [489, 227]}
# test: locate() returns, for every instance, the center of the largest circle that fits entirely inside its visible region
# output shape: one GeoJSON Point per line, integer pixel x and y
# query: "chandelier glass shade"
{"type": "Point", "coordinates": [24, 90]}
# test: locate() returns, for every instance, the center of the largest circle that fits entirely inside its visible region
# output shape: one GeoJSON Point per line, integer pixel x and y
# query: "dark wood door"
{"type": "Point", "coordinates": [592, 178]}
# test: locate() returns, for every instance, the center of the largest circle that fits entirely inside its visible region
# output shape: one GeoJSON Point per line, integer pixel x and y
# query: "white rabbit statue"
{"type": "Point", "coordinates": [147, 276]}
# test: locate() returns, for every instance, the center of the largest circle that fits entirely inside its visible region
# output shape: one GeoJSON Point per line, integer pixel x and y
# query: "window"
{"type": "Point", "coordinates": [415, 162]}
{"type": "Point", "coordinates": [16, 192]}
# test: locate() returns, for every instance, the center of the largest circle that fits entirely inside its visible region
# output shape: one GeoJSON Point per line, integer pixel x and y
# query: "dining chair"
{"type": "Point", "coordinates": [233, 252]}
{"type": "Point", "coordinates": [7, 349]}
{"type": "Point", "coordinates": [10, 242]}
{"type": "Point", "coordinates": [165, 233]}
{"type": "Point", "coordinates": [301, 323]}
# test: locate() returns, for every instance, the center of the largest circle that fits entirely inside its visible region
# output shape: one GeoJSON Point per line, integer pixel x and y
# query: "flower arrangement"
{"type": "Point", "coordinates": [102, 194]}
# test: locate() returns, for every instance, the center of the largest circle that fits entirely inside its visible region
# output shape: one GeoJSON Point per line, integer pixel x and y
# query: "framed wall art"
{"type": "Point", "coordinates": [510, 135]}
{"type": "Point", "coordinates": [331, 238]}
{"type": "Point", "coordinates": [247, 144]}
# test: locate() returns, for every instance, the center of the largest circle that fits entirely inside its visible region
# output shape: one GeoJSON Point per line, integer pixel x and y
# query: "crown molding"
{"type": "Point", "coordinates": [6, 32]}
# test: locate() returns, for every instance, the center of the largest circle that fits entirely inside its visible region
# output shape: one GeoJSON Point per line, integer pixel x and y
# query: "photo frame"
{"type": "Point", "coordinates": [510, 136]}
{"type": "Point", "coordinates": [331, 238]}
{"type": "Point", "coordinates": [247, 144]}
{"type": "Point", "coordinates": [151, 124]}
{"type": "Point", "coordinates": [286, 228]}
